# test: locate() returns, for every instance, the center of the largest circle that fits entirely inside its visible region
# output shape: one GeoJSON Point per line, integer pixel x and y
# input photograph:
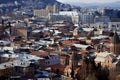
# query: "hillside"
{"type": "Point", "coordinates": [42, 1]}
{"type": "Point", "coordinates": [96, 5]}
{"type": "Point", "coordinates": [34, 3]}
{"type": "Point", "coordinates": [6, 1]}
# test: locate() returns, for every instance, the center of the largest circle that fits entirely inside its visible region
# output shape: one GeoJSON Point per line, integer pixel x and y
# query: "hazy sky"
{"type": "Point", "coordinates": [88, 1]}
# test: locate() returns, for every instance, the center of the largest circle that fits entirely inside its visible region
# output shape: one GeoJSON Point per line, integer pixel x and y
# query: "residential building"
{"type": "Point", "coordinates": [114, 24]}
{"type": "Point", "coordinates": [58, 17]}
{"type": "Point", "coordinates": [106, 60]}
{"type": "Point", "coordinates": [103, 19]}
{"type": "Point", "coordinates": [41, 13]}
{"type": "Point", "coordinates": [49, 59]}
{"type": "Point", "coordinates": [87, 18]}
{"type": "Point", "coordinates": [52, 60]}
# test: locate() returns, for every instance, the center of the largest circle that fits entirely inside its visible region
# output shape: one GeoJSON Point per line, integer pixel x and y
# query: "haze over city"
{"type": "Point", "coordinates": [88, 1]}
{"type": "Point", "coordinates": [59, 39]}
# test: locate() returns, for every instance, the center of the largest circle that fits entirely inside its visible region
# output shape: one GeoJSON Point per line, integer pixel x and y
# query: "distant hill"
{"type": "Point", "coordinates": [6, 1]}
{"type": "Point", "coordinates": [49, 1]}
{"type": "Point", "coordinates": [45, 1]}
{"type": "Point", "coordinates": [35, 3]}
{"type": "Point", "coordinates": [96, 5]}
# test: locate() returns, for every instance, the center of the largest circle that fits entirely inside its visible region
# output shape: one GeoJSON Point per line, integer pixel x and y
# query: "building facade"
{"type": "Point", "coordinates": [75, 15]}
{"type": "Point", "coordinates": [115, 44]}
{"type": "Point", "coordinates": [87, 18]}
{"type": "Point", "coordinates": [46, 11]}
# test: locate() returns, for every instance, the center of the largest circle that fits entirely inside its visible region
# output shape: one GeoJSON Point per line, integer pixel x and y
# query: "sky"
{"type": "Point", "coordinates": [88, 1]}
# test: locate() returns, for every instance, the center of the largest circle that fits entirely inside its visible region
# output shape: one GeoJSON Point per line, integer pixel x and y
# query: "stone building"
{"type": "Point", "coordinates": [115, 44]}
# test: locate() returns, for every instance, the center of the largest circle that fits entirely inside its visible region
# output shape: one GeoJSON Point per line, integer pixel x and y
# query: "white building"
{"type": "Point", "coordinates": [75, 15]}
{"type": "Point", "coordinates": [107, 59]}
{"type": "Point", "coordinates": [87, 18]}
{"type": "Point", "coordinates": [104, 19]}
{"type": "Point", "coordinates": [114, 26]}
{"type": "Point", "coordinates": [52, 59]}
{"type": "Point", "coordinates": [58, 17]}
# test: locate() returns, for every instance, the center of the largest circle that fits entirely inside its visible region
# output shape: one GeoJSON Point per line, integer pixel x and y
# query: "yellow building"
{"type": "Point", "coordinates": [46, 11]}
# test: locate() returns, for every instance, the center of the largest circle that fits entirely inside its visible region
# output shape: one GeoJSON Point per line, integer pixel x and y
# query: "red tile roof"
{"type": "Point", "coordinates": [62, 68]}
{"type": "Point", "coordinates": [69, 42]}
{"type": "Point", "coordinates": [40, 53]}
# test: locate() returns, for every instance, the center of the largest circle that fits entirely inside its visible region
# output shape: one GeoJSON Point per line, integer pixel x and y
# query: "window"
{"type": "Point", "coordinates": [47, 62]}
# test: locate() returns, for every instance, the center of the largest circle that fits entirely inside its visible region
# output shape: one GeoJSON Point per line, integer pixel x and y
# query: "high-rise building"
{"type": "Point", "coordinates": [87, 18]}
